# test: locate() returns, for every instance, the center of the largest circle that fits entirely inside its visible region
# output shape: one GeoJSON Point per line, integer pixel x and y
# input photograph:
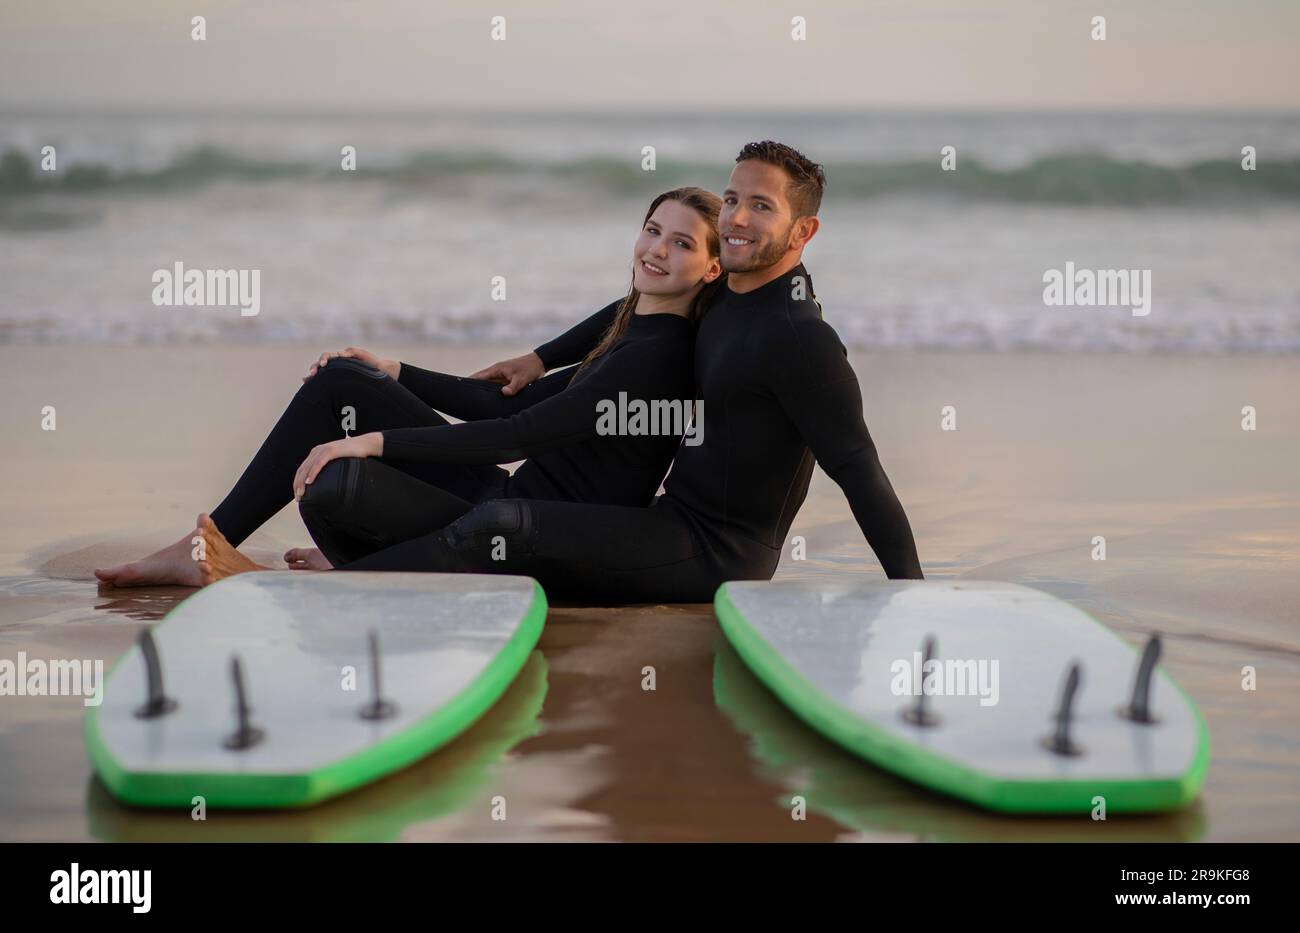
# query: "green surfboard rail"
{"type": "Point", "coordinates": [941, 773]}
{"type": "Point", "coordinates": [265, 791]}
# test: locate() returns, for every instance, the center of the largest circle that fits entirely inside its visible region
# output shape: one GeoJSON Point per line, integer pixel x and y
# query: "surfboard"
{"type": "Point", "coordinates": [284, 689]}
{"type": "Point", "coordinates": [998, 694]}
{"type": "Point", "coordinates": [429, 790]}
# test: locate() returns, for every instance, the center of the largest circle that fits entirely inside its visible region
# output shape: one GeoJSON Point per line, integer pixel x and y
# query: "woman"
{"type": "Point", "coordinates": [355, 407]}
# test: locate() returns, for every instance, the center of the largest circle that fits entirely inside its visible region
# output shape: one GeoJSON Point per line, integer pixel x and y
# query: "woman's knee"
{"type": "Point", "coordinates": [332, 492]}
{"type": "Point", "coordinates": [341, 373]}
{"type": "Point", "coordinates": [342, 368]}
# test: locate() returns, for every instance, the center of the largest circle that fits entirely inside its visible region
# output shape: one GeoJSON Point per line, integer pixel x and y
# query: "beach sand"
{"type": "Point", "coordinates": [1202, 528]}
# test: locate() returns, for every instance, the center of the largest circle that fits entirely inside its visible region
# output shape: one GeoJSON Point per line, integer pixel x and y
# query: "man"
{"type": "Point", "coordinates": [777, 391]}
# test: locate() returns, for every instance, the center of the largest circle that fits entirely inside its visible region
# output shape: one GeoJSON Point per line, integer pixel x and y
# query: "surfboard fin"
{"type": "Point", "coordinates": [1139, 706]}
{"type": "Point", "coordinates": [246, 735]}
{"type": "Point", "coordinates": [378, 707]}
{"type": "Point", "coordinates": [1059, 742]}
{"type": "Point", "coordinates": [157, 703]}
{"type": "Point", "coordinates": [919, 713]}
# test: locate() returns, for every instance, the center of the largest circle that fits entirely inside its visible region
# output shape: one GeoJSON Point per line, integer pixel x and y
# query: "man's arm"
{"type": "Point", "coordinates": [574, 344]}
{"type": "Point", "coordinates": [819, 391]}
{"type": "Point", "coordinates": [570, 347]}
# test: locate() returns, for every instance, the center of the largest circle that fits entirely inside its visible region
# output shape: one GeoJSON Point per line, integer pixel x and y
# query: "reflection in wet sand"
{"type": "Point", "coordinates": [878, 806]}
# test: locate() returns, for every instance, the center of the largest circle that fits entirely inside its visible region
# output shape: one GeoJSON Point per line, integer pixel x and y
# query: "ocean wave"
{"type": "Point", "coordinates": [1071, 178]}
{"type": "Point", "coordinates": [1277, 333]}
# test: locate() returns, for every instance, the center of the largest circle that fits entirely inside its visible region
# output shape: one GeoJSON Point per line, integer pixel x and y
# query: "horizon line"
{"type": "Point", "coordinates": [206, 108]}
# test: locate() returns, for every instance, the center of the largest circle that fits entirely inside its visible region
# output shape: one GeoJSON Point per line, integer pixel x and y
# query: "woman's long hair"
{"type": "Point", "coordinates": [707, 205]}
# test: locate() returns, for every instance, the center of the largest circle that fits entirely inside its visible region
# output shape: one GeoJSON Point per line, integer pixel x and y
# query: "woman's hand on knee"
{"type": "Point", "coordinates": [360, 446]}
{"type": "Point", "coordinates": [390, 368]}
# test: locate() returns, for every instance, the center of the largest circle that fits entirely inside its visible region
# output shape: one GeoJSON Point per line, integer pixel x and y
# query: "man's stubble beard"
{"type": "Point", "coordinates": [765, 256]}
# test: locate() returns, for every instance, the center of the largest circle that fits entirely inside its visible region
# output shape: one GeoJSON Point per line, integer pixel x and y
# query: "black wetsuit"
{"type": "Point", "coordinates": [433, 472]}
{"type": "Point", "coordinates": [774, 381]}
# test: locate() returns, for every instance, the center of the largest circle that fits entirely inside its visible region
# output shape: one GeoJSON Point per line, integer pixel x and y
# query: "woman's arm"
{"type": "Point", "coordinates": [643, 370]}
{"type": "Point", "coordinates": [475, 399]}
{"type": "Point", "coordinates": [566, 418]}
{"type": "Point", "coordinates": [563, 419]}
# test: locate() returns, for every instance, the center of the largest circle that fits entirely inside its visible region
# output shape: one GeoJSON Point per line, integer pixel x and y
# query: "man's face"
{"type": "Point", "coordinates": [756, 220]}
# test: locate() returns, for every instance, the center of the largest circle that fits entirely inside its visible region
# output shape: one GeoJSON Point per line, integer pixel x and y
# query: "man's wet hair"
{"type": "Point", "coordinates": [807, 178]}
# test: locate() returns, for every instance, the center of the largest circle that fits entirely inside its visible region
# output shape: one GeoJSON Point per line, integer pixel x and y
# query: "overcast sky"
{"type": "Point", "coordinates": [698, 54]}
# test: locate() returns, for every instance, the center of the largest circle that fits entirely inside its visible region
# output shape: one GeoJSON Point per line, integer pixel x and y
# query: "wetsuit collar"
{"type": "Point", "coordinates": [779, 287]}
{"type": "Point", "coordinates": [661, 319]}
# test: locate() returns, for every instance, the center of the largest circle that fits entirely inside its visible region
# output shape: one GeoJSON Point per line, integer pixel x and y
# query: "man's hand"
{"type": "Point", "coordinates": [362, 445]}
{"type": "Point", "coordinates": [515, 373]}
{"type": "Point", "coordinates": [389, 368]}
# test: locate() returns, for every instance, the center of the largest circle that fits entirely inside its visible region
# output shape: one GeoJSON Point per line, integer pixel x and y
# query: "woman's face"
{"type": "Point", "coordinates": [671, 255]}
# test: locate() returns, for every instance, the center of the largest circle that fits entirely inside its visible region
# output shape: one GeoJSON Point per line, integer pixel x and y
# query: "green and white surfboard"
{"type": "Point", "coordinates": [316, 719]}
{"type": "Point", "coordinates": [1063, 719]}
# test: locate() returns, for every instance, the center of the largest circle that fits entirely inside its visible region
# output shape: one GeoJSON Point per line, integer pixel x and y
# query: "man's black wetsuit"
{"type": "Point", "coordinates": [774, 381]}
{"type": "Point", "coordinates": [433, 472]}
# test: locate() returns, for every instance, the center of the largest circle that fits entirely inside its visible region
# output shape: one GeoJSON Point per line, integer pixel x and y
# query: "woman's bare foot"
{"type": "Point", "coordinates": [174, 564]}
{"type": "Point", "coordinates": [306, 558]}
{"type": "Point", "coordinates": [219, 557]}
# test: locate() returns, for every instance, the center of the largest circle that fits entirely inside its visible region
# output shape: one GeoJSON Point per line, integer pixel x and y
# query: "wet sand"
{"type": "Point", "coordinates": [1201, 520]}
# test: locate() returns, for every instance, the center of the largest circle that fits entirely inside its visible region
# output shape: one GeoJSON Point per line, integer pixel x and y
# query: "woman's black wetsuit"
{"type": "Point", "coordinates": [774, 381]}
{"type": "Point", "coordinates": [432, 472]}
